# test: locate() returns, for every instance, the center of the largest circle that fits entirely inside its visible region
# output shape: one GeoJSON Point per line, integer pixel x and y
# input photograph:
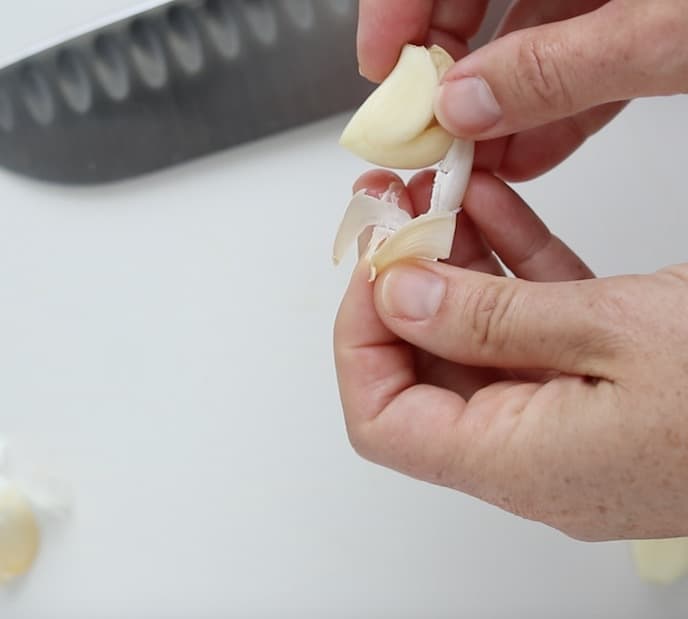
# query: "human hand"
{"type": "Point", "coordinates": [560, 401]}
{"type": "Point", "coordinates": [557, 71]}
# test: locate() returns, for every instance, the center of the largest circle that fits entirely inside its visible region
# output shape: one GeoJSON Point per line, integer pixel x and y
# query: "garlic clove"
{"type": "Point", "coordinates": [441, 59]}
{"type": "Point", "coordinates": [429, 236]}
{"type": "Point", "coordinates": [452, 177]}
{"type": "Point", "coordinates": [396, 126]}
{"type": "Point", "coordinates": [19, 533]}
{"type": "Point", "coordinates": [363, 212]}
{"type": "Point", "coordinates": [662, 561]}
{"type": "Point", "coordinates": [423, 151]}
{"type": "Point", "coordinates": [402, 106]}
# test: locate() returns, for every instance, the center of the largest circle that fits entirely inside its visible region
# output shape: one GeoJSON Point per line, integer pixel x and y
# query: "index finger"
{"type": "Point", "coordinates": [385, 26]}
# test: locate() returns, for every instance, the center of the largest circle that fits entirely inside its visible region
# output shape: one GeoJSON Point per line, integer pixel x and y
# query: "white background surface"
{"type": "Point", "coordinates": [165, 345]}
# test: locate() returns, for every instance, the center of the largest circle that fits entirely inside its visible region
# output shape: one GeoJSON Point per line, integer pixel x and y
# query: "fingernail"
{"type": "Point", "coordinates": [412, 293]}
{"type": "Point", "coordinates": [467, 106]}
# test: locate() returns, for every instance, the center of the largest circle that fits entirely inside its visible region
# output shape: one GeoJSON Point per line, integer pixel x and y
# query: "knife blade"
{"type": "Point", "coordinates": [176, 82]}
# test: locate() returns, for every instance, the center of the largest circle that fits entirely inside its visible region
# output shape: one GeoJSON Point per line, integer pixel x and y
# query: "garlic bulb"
{"type": "Point", "coordinates": [19, 533]}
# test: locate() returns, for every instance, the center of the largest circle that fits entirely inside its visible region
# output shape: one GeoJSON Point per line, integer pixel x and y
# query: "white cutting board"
{"type": "Point", "coordinates": [165, 345]}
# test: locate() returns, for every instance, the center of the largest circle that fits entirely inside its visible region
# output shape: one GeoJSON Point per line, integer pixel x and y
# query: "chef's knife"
{"type": "Point", "coordinates": [176, 82]}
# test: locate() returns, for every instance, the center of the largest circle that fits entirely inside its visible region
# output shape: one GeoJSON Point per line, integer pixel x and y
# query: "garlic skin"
{"type": "Point", "coordinates": [428, 236]}
{"type": "Point", "coordinates": [662, 561]}
{"type": "Point", "coordinates": [19, 533]}
{"type": "Point", "coordinates": [451, 179]}
{"type": "Point", "coordinates": [396, 126]}
{"type": "Point", "coordinates": [392, 235]}
{"type": "Point", "coordinates": [363, 212]}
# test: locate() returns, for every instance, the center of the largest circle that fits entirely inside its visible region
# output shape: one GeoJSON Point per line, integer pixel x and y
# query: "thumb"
{"type": "Point", "coordinates": [483, 320]}
{"type": "Point", "coordinates": [623, 50]}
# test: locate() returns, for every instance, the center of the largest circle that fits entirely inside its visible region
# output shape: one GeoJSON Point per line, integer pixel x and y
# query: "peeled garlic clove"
{"type": "Point", "coordinates": [452, 177]}
{"type": "Point", "coordinates": [429, 236]}
{"type": "Point", "coordinates": [662, 561]}
{"type": "Point", "coordinates": [396, 126]}
{"type": "Point", "coordinates": [423, 151]}
{"type": "Point", "coordinates": [402, 106]}
{"type": "Point", "coordinates": [19, 533]}
{"type": "Point", "coordinates": [365, 211]}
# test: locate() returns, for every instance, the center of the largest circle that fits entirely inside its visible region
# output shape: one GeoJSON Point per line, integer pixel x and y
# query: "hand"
{"type": "Point", "coordinates": [561, 401]}
{"type": "Point", "coordinates": [557, 72]}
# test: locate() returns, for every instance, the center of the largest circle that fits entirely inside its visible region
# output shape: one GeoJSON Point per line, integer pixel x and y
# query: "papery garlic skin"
{"type": "Point", "coordinates": [396, 126]}
{"type": "Point", "coordinates": [19, 533]}
{"type": "Point", "coordinates": [428, 236]}
{"type": "Point", "coordinates": [452, 177]}
{"type": "Point", "coordinates": [363, 212]}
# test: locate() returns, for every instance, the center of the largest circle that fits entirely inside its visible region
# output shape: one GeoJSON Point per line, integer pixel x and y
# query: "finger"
{"type": "Point", "coordinates": [379, 183]}
{"type": "Point", "coordinates": [469, 249]}
{"type": "Point", "coordinates": [528, 154]}
{"type": "Point", "coordinates": [477, 319]}
{"type": "Point", "coordinates": [538, 75]}
{"type": "Point", "coordinates": [518, 236]}
{"type": "Point", "coordinates": [461, 18]}
{"type": "Point", "coordinates": [533, 152]}
{"type": "Point", "coordinates": [453, 23]}
{"type": "Point", "coordinates": [529, 13]}
{"type": "Point", "coordinates": [420, 190]}
{"type": "Point", "coordinates": [385, 26]}
{"type": "Point", "coordinates": [390, 418]}
{"type": "Point", "coordinates": [373, 365]}
{"type": "Point", "coordinates": [432, 433]}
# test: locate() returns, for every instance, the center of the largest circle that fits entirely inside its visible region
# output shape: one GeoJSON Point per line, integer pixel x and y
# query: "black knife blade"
{"type": "Point", "coordinates": [176, 82]}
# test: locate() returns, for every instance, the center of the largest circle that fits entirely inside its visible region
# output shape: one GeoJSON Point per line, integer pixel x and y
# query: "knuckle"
{"type": "Point", "coordinates": [359, 439]}
{"type": "Point", "coordinates": [609, 307]}
{"type": "Point", "coordinates": [613, 321]}
{"type": "Point", "coordinates": [666, 62]}
{"type": "Point", "coordinates": [487, 309]}
{"type": "Point", "coordinates": [539, 75]}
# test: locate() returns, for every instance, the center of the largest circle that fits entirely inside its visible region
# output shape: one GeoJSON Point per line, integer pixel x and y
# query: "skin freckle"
{"type": "Point", "coordinates": [672, 437]}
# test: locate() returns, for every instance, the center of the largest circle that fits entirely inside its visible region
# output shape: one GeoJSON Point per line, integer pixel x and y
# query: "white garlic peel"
{"type": "Point", "coordinates": [662, 561]}
{"type": "Point", "coordinates": [451, 179]}
{"type": "Point", "coordinates": [19, 533]}
{"type": "Point", "coordinates": [429, 236]}
{"type": "Point", "coordinates": [396, 126]}
{"type": "Point", "coordinates": [363, 212]}
{"type": "Point", "coordinates": [393, 121]}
